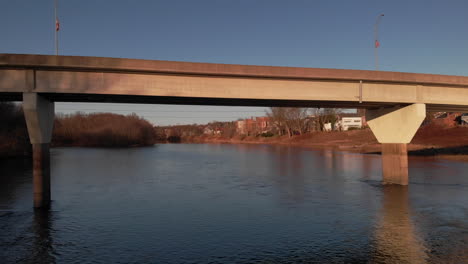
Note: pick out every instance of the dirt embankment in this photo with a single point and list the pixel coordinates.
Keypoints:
(432, 140)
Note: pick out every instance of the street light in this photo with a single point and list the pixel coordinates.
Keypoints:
(57, 28)
(376, 39)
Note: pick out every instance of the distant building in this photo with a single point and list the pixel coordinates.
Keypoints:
(327, 127)
(464, 119)
(350, 122)
(250, 126)
(253, 126)
(241, 127)
(362, 113)
(208, 131)
(263, 124)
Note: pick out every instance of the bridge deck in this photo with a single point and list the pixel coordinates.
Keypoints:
(93, 79)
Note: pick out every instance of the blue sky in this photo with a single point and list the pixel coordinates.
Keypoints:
(416, 36)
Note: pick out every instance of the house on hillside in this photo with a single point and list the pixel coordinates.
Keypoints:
(208, 131)
(263, 124)
(350, 122)
(250, 126)
(253, 126)
(241, 128)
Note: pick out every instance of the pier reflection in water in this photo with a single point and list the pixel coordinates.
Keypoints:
(396, 239)
(233, 204)
(42, 250)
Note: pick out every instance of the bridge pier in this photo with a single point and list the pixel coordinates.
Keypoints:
(394, 128)
(394, 163)
(39, 115)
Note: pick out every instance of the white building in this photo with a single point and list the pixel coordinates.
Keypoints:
(348, 122)
(327, 127)
(464, 119)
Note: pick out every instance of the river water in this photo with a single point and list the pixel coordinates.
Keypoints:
(202, 203)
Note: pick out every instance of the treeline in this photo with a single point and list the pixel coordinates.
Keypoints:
(79, 129)
(14, 139)
(279, 121)
(190, 133)
(296, 120)
(102, 130)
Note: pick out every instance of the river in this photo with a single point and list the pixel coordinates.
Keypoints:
(208, 203)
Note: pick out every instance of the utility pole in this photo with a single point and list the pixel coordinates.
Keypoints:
(376, 41)
(57, 27)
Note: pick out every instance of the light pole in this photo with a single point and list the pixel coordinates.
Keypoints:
(57, 27)
(376, 39)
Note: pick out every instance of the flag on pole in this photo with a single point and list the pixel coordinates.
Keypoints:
(57, 25)
(377, 43)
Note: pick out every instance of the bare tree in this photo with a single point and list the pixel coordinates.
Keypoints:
(326, 115)
(295, 118)
(277, 116)
(289, 120)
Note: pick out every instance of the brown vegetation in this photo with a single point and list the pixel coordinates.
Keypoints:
(86, 130)
(14, 139)
(102, 130)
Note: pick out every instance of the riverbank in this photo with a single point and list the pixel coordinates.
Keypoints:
(75, 130)
(442, 142)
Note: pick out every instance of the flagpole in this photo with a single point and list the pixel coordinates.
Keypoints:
(376, 41)
(56, 31)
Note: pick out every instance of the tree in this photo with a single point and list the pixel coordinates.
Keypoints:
(326, 115)
(289, 120)
(277, 116)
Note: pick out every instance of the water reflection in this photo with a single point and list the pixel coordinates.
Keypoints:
(15, 182)
(42, 249)
(289, 179)
(336, 163)
(396, 240)
(233, 204)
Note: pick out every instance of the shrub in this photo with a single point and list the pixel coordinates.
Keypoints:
(267, 134)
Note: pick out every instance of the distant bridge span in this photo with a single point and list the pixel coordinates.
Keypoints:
(396, 101)
(93, 79)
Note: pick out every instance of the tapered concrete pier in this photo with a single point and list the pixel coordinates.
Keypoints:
(39, 114)
(394, 128)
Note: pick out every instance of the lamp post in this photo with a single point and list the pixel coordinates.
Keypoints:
(376, 41)
(57, 27)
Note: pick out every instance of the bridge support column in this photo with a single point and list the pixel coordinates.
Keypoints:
(394, 128)
(394, 163)
(39, 115)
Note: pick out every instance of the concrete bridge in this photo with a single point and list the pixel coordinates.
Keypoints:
(396, 102)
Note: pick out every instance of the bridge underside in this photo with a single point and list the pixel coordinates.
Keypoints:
(139, 99)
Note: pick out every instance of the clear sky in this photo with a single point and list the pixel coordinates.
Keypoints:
(423, 36)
